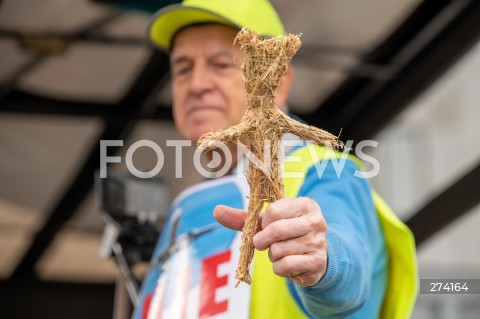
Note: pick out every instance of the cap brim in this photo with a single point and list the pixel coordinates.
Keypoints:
(168, 21)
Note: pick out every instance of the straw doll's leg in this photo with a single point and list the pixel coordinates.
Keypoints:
(276, 191)
(251, 225)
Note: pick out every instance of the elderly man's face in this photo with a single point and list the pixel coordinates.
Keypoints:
(208, 91)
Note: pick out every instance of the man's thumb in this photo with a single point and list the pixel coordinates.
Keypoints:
(230, 217)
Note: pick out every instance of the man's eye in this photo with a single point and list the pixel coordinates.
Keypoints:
(182, 71)
(221, 65)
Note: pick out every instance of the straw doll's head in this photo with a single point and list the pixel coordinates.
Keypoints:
(266, 63)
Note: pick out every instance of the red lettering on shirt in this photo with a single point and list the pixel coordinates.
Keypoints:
(146, 305)
(210, 283)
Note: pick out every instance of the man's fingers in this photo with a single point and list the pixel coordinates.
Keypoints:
(296, 246)
(286, 208)
(280, 230)
(230, 217)
(306, 266)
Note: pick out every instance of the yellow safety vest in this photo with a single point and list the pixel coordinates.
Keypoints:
(270, 296)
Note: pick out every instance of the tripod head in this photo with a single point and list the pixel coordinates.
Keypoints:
(134, 210)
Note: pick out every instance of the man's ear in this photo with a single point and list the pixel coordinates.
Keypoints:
(284, 89)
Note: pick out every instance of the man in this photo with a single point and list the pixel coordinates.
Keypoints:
(327, 238)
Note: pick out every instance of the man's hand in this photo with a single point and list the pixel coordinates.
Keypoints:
(295, 232)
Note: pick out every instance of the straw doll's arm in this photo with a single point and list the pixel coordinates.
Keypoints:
(211, 140)
(311, 133)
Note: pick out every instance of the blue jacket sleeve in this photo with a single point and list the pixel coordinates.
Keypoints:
(354, 238)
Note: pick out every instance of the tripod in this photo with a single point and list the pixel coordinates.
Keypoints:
(129, 242)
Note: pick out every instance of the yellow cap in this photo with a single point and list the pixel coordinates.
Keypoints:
(258, 16)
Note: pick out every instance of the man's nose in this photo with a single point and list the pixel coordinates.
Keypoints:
(201, 80)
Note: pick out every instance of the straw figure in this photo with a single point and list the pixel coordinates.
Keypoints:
(266, 62)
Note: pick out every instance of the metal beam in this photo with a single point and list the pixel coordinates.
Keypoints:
(18, 102)
(448, 206)
(7, 87)
(83, 37)
(132, 104)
